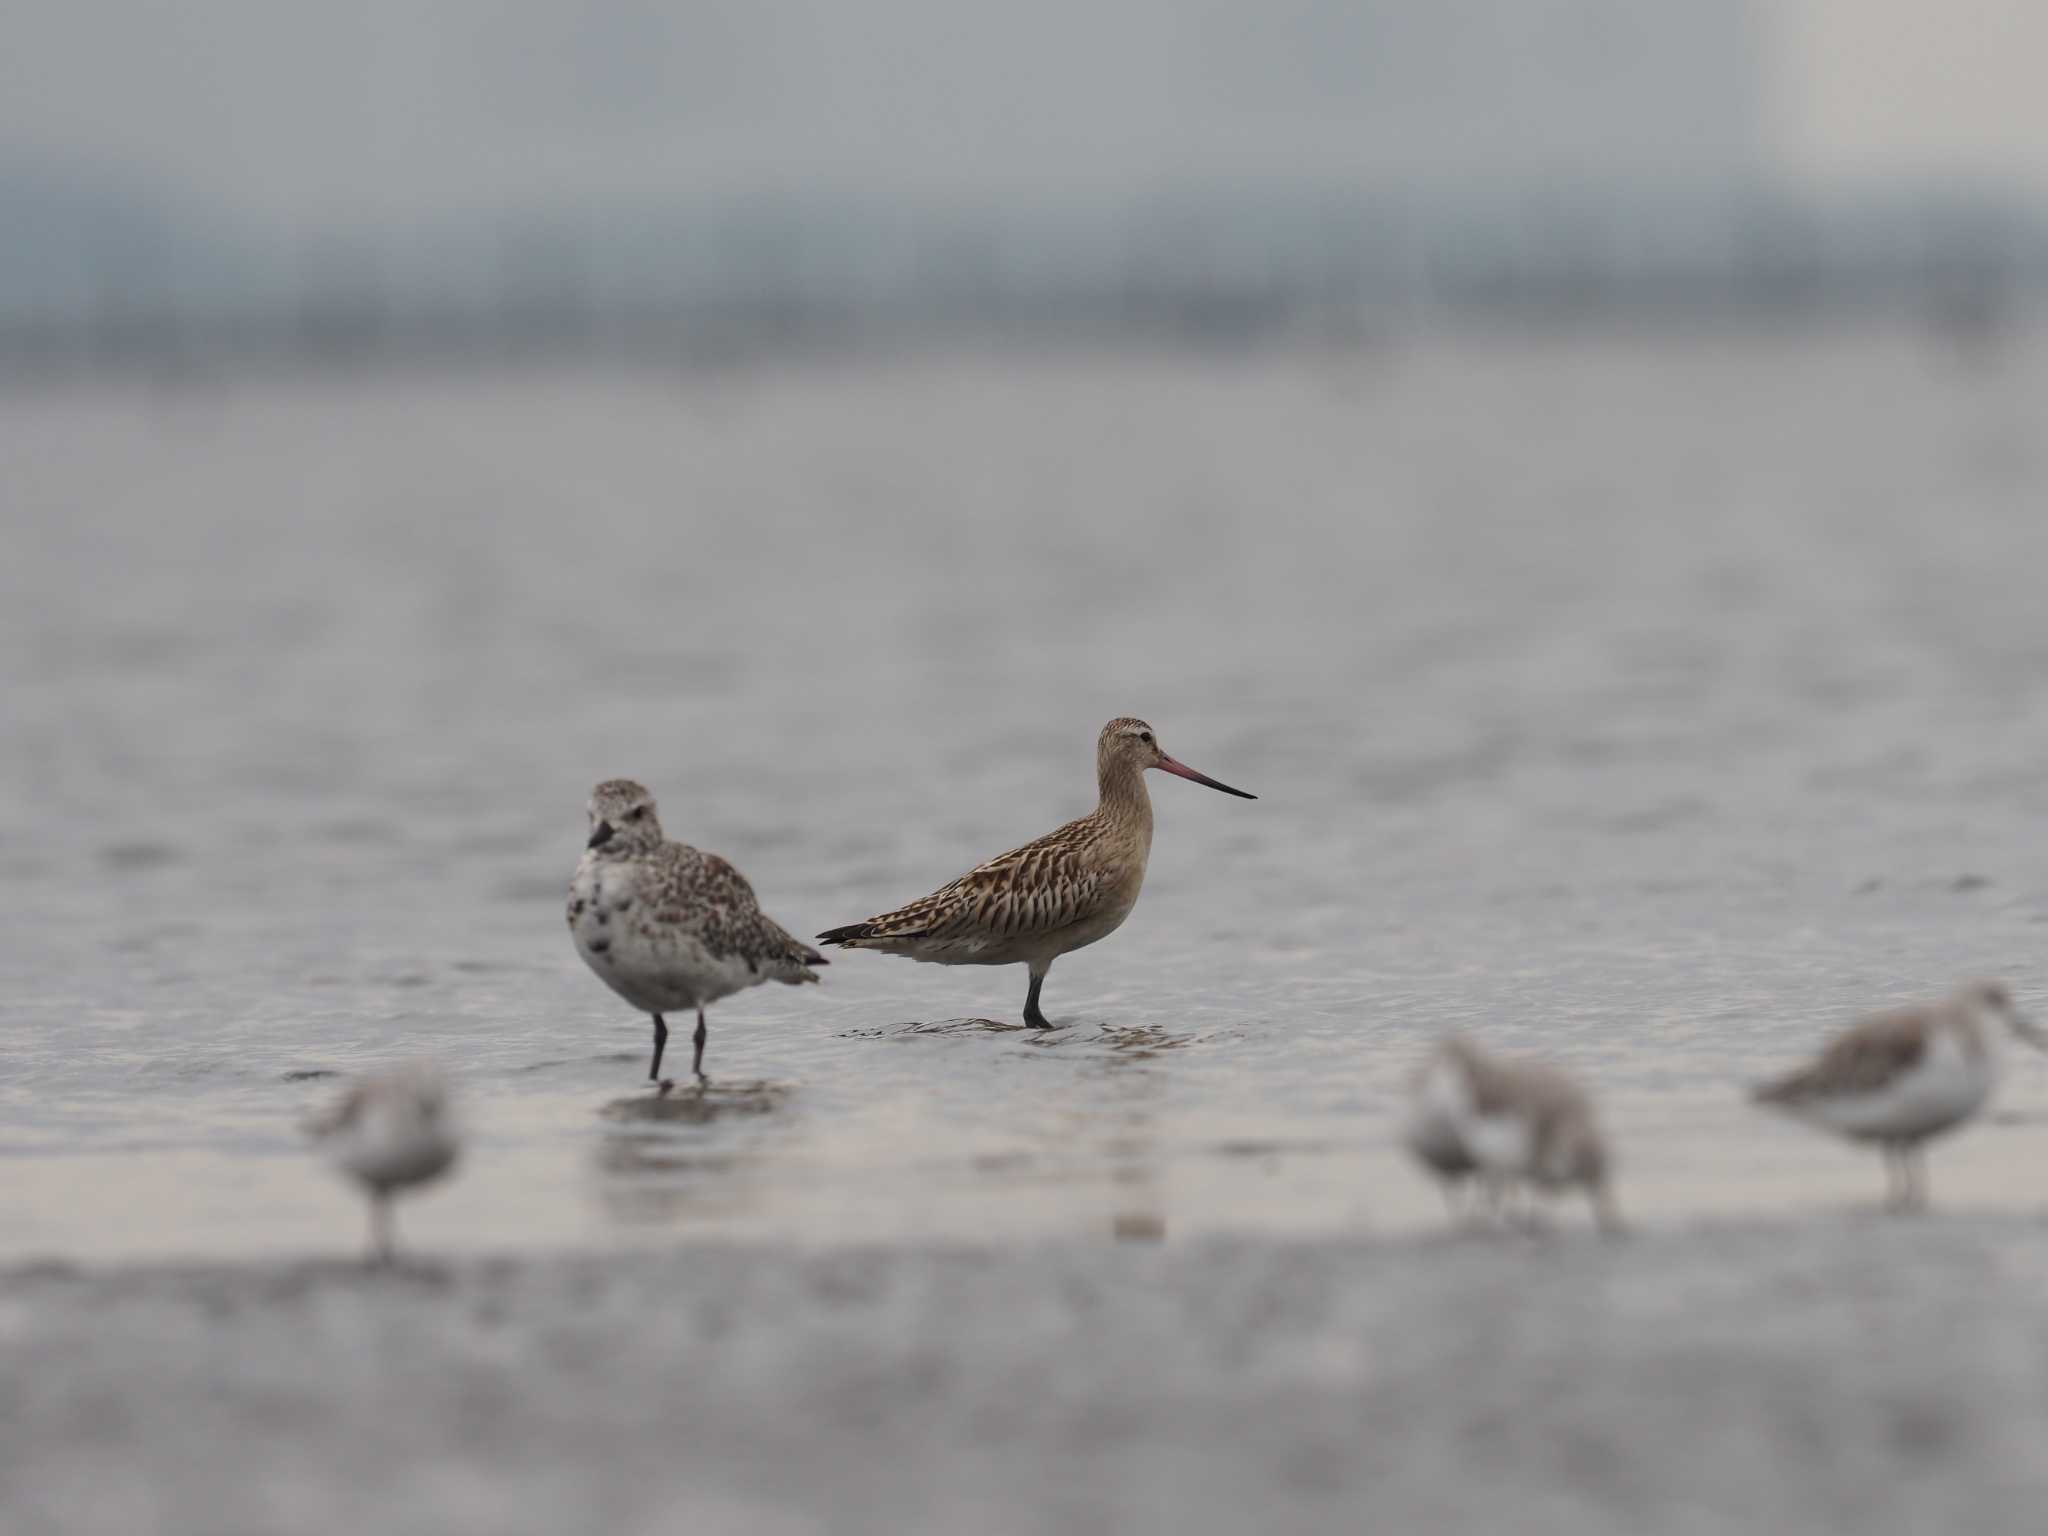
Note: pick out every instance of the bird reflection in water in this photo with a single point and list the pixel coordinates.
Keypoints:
(664, 1159)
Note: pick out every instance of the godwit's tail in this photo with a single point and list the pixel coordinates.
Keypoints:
(865, 935)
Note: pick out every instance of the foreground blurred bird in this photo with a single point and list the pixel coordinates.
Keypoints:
(1035, 903)
(1899, 1078)
(389, 1130)
(1508, 1125)
(667, 926)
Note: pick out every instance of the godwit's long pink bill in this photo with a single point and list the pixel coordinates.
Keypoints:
(1064, 891)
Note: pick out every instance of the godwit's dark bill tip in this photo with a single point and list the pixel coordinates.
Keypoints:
(1175, 766)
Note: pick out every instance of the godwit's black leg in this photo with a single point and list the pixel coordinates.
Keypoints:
(1032, 1016)
(697, 1066)
(660, 1045)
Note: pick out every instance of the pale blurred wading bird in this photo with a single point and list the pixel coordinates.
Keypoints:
(1901, 1077)
(1507, 1125)
(389, 1130)
(667, 926)
(1035, 903)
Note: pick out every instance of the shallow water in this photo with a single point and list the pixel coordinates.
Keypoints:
(1652, 704)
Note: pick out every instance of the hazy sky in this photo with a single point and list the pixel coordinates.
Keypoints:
(311, 109)
(1876, 85)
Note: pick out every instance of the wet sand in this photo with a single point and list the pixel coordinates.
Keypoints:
(1852, 1373)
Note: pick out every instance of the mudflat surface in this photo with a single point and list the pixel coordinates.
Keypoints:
(1848, 1374)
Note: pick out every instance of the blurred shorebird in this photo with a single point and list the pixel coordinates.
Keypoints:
(1035, 903)
(1507, 1125)
(667, 926)
(1901, 1077)
(389, 1130)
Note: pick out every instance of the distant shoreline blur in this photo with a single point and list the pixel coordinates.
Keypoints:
(1218, 272)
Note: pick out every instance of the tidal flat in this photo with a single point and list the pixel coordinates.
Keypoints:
(1850, 1373)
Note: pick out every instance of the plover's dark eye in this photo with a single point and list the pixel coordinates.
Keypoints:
(636, 813)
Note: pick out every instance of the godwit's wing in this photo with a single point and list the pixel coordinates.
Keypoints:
(1863, 1059)
(700, 893)
(1031, 892)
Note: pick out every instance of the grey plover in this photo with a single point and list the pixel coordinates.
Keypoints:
(1897, 1079)
(667, 926)
(389, 1130)
(1508, 1125)
(1035, 903)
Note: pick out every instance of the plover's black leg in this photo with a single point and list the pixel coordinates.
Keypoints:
(697, 1064)
(660, 1045)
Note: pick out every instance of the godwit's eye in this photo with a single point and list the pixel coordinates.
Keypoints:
(1145, 736)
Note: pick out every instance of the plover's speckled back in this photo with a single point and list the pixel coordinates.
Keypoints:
(389, 1130)
(1509, 1124)
(1035, 903)
(1898, 1079)
(667, 926)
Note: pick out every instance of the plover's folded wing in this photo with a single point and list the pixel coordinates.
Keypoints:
(713, 898)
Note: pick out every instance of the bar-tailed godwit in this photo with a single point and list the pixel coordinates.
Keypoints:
(389, 1131)
(1510, 1124)
(1899, 1078)
(1035, 903)
(667, 926)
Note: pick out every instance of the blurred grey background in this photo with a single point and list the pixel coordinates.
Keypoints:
(680, 181)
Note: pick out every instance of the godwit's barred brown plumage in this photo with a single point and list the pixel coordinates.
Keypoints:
(1063, 891)
(1510, 1124)
(668, 926)
(1902, 1077)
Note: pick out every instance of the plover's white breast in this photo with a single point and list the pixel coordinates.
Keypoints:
(652, 954)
